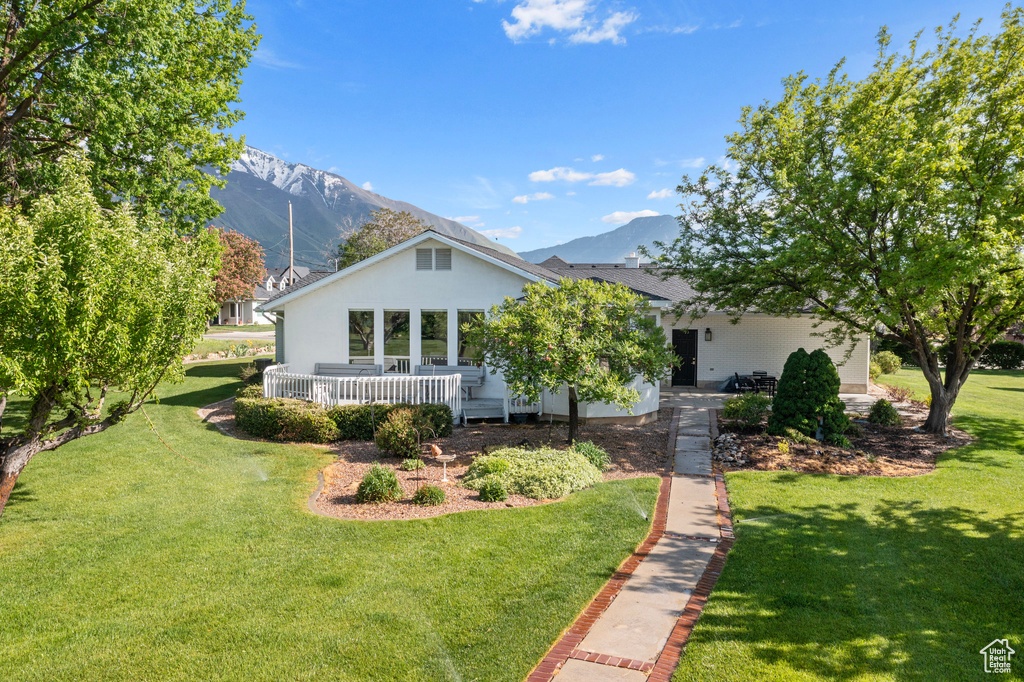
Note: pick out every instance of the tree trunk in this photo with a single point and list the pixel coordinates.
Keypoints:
(574, 415)
(944, 389)
(12, 463)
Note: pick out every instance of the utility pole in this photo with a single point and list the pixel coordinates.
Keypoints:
(291, 248)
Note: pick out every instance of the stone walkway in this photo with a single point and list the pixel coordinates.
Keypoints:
(634, 630)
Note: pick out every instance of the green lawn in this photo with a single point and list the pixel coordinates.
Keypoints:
(205, 346)
(217, 328)
(846, 578)
(122, 560)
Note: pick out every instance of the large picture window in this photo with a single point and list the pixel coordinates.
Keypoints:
(360, 337)
(467, 353)
(396, 341)
(434, 337)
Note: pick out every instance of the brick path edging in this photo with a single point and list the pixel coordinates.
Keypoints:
(668, 660)
(563, 648)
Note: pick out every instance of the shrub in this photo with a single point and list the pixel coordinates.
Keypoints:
(429, 495)
(380, 484)
(1004, 355)
(250, 375)
(412, 464)
(541, 474)
(898, 394)
(486, 465)
(854, 430)
(747, 409)
(808, 389)
(356, 422)
(874, 370)
(888, 361)
(253, 391)
(284, 419)
(839, 440)
(798, 437)
(398, 435)
(882, 412)
(906, 355)
(594, 453)
(784, 447)
(492, 490)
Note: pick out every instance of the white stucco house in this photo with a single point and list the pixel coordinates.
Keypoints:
(397, 316)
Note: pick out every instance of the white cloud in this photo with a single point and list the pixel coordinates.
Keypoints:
(537, 196)
(570, 194)
(618, 178)
(503, 232)
(620, 217)
(577, 18)
(266, 57)
(368, 186)
(597, 157)
(727, 164)
(465, 218)
(559, 173)
(608, 30)
(660, 194)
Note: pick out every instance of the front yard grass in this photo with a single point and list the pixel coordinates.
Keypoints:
(835, 577)
(122, 560)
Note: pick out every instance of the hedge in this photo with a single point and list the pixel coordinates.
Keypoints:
(285, 419)
(356, 422)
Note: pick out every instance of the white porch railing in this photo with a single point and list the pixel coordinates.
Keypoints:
(520, 405)
(278, 382)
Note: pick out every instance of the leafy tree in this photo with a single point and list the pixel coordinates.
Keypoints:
(591, 338)
(384, 229)
(145, 87)
(893, 203)
(241, 266)
(92, 303)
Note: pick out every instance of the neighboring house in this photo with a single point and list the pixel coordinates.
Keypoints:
(404, 307)
(245, 311)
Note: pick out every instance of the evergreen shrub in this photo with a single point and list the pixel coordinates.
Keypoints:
(883, 412)
(807, 390)
(380, 484)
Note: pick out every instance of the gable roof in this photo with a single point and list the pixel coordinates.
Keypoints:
(315, 280)
(644, 281)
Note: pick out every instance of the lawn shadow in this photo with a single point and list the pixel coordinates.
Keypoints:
(831, 591)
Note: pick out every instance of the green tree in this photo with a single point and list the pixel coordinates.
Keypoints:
(894, 203)
(92, 303)
(590, 338)
(809, 390)
(145, 87)
(241, 266)
(380, 232)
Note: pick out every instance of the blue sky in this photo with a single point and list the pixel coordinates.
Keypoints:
(538, 121)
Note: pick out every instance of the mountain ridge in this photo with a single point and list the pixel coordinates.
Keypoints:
(326, 207)
(612, 246)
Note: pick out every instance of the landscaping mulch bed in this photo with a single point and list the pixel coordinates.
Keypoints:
(634, 451)
(881, 451)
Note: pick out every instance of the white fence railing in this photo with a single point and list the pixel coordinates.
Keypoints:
(520, 405)
(278, 382)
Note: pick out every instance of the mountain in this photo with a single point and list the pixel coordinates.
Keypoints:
(611, 247)
(325, 208)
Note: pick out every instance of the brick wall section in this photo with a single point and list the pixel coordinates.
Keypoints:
(763, 342)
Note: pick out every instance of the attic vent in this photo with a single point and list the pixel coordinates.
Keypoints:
(425, 259)
(443, 259)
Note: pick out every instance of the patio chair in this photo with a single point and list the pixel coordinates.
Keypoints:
(744, 384)
(765, 384)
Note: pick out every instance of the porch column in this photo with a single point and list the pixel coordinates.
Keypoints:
(378, 336)
(453, 336)
(415, 339)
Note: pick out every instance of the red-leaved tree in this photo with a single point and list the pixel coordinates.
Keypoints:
(241, 267)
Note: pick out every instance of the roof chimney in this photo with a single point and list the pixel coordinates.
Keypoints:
(633, 260)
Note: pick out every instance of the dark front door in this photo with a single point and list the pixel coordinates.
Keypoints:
(684, 343)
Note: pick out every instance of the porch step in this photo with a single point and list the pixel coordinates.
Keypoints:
(482, 409)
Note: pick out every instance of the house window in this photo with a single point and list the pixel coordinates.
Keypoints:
(396, 341)
(233, 310)
(360, 337)
(434, 337)
(468, 318)
(424, 259)
(443, 259)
